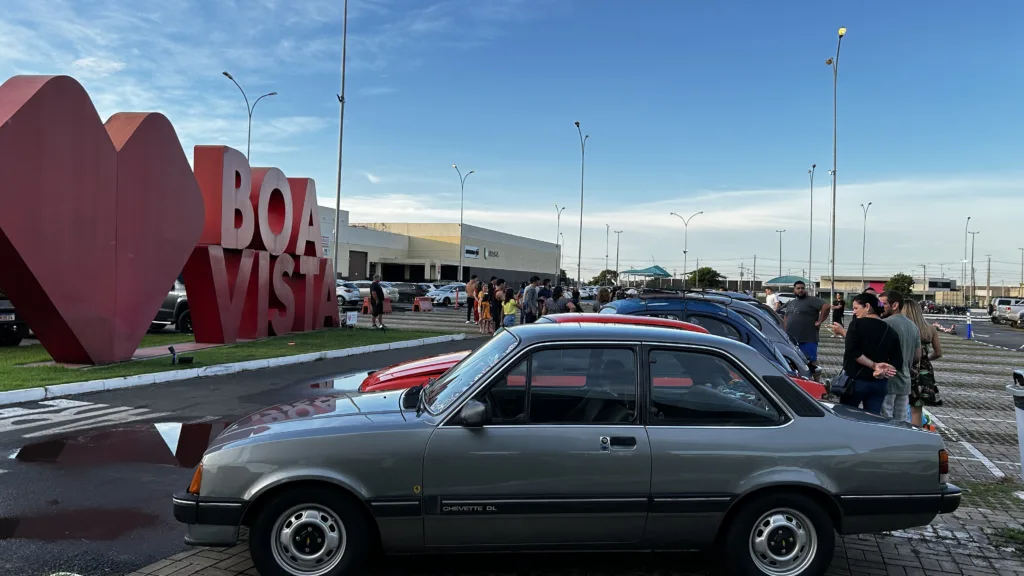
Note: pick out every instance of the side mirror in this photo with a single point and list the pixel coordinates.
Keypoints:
(473, 414)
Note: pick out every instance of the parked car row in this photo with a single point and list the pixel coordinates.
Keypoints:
(570, 434)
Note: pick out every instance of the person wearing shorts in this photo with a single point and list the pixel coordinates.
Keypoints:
(804, 316)
(377, 302)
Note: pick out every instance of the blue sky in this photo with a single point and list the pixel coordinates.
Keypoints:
(713, 106)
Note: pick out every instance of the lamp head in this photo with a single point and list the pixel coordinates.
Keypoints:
(228, 76)
(577, 122)
(842, 32)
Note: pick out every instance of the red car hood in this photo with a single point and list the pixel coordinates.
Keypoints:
(411, 373)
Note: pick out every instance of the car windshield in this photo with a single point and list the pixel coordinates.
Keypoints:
(451, 385)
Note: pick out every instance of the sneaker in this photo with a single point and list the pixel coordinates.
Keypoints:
(469, 321)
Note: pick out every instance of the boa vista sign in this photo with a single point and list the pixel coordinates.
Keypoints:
(256, 269)
(98, 219)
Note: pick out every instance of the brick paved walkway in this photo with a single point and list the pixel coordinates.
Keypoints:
(985, 536)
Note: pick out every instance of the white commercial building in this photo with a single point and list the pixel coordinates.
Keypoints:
(429, 252)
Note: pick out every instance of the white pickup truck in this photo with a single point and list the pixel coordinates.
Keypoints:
(1007, 311)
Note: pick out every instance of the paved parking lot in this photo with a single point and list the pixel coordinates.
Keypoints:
(985, 536)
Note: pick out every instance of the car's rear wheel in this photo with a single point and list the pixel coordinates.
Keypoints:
(784, 534)
(185, 322)
(10, 339)
(309, 532)
(447, 301)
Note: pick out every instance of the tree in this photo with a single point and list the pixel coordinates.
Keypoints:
(902, 283)
(705, 277)
(604, 278)
(563, 278)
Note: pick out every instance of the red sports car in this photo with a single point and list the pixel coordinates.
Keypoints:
(416, 372)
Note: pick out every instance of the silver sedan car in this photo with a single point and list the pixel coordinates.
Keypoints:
(568, 436)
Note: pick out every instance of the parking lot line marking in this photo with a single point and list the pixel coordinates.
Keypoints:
(977, 460)
(970, 447)
(978, 419)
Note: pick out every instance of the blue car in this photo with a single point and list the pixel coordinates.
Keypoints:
(717, 318)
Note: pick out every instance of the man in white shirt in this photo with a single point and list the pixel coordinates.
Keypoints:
(771, 299)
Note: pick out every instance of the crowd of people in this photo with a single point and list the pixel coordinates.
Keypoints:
(888, 350)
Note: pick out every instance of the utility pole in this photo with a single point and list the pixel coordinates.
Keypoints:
(753, 283)
(810, 234)
(696, 276)
(1021, 287)
(741, 277)
(607, 234)
(988, 279)
(618, 236)
(974, 286)
(924, 279)
(780, 250)
(341, 140)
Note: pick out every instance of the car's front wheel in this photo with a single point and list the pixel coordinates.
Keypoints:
(309, 532)
(783, 534)
(447, 301)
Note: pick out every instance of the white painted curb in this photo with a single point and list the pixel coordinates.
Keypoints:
(44, 392)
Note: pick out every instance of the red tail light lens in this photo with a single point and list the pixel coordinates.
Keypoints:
(943, 466)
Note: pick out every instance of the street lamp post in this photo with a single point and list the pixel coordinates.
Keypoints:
(462, 204)
(686, 248)
(863, 245)
(810, 235)
(780, 250)
(607, 233)
(835, 81)
(248, 109)
(963, 266)
(1021, 287)
(341, 137)
(618, 236)
(583, 163)
(558, 245)
(974, 290)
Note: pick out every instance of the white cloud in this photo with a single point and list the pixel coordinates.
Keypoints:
(377, 91)
(96, 67)
(373, 178)
(912, 222)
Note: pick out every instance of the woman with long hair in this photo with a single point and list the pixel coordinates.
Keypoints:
(923, 389)
(871, 355)
(484, 304)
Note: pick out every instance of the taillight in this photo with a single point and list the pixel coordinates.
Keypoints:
(943, 466)
(197, 480)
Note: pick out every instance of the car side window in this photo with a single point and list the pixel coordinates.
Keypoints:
(663, 315)
(715, 326)
(506, 398)
(753, 321)
(583, 386)
(701, 389)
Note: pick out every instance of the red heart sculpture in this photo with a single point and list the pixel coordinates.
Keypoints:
(96, 220)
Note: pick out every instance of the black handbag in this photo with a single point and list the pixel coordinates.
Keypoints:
(841, 384)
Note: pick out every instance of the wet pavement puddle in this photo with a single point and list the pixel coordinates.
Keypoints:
(84, 524)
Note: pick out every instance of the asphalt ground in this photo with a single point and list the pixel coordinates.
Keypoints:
(85, 482)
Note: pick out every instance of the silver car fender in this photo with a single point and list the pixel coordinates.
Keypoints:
(283, 476)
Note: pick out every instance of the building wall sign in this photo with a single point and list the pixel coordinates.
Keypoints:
(490, 253)
(256, 270)
(471, 252)
(96, 219)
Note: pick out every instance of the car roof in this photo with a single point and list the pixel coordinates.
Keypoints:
(590, 318)
(589, 331)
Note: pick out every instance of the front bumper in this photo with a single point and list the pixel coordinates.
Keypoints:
(209, 521)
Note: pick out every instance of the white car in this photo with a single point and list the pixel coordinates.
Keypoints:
(348, 295)
(364, 289)
(445, 295)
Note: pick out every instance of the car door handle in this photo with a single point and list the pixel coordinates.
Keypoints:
(622, 442)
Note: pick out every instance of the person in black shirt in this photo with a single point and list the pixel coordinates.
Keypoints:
(377, 302)
(872, 353)
(838, 309)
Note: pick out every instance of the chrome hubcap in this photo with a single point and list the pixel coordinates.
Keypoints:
(308, 540)
(783, 542)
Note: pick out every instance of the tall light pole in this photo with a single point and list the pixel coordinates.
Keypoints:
(974, 290)
(607, 232)
(810, 235)
(863, 245)
(618, 236)
(462, 204)
(780, 250)
(686, 248)
(248, 109)
(341, 137)
(583, 163)
(835, 82)
(963, 267)
(1021, 287)
(558, 245)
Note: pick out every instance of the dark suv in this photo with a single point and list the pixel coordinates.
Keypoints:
(717, 318)
(12, 328)
(174, 310)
